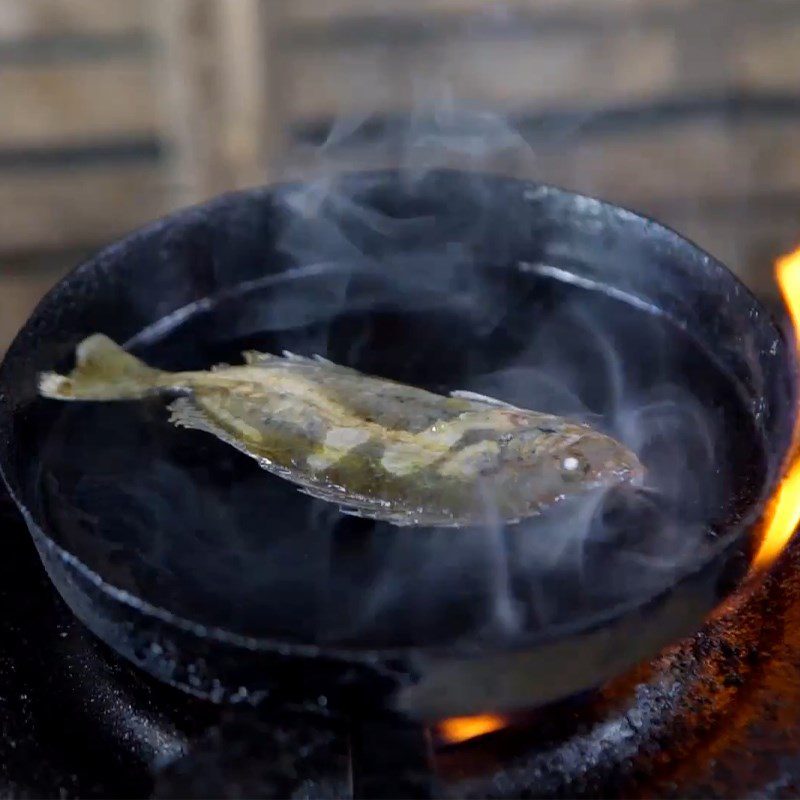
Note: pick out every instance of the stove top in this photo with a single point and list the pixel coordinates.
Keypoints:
(718, 716)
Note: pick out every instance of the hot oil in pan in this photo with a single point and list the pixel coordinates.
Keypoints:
(194, 527)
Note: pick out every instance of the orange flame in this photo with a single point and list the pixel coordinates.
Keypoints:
(459, 729)
(783, 514)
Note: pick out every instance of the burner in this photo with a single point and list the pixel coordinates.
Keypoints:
(717, 716)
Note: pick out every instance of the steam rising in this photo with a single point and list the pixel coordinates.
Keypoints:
(381, 287)
(598, 550)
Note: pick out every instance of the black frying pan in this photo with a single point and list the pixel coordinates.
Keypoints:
(207, 572)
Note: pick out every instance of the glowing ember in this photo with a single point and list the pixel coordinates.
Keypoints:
(783, 515)
(459, 729)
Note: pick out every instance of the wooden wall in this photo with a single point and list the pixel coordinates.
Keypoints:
(114, 111)
(80, 131)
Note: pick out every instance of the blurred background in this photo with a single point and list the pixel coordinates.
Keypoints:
(113, 112)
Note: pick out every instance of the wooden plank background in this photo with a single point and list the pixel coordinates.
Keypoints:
(115, 111)
(77, 103)
(28, 19)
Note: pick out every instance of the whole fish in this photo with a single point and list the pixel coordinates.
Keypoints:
(375, 447)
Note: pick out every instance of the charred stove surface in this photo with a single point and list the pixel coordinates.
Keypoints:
(716, 716)
(245, 755)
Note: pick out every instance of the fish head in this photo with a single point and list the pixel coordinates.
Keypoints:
(587, 459)
(570, 460)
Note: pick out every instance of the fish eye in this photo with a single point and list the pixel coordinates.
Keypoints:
(574, 467)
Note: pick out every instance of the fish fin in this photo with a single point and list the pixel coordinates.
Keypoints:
(463, 394)
(370, 508)
(103, 371)
(254, 357)
(328, 494)
(401, 519)
(315, 359)
(319, 361)
(290, 356)
(379, 515)
(355, 505)
(184, 413)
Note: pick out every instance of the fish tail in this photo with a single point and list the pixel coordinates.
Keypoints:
(103, 371)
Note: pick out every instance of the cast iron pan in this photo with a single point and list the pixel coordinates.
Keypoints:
(189, 560)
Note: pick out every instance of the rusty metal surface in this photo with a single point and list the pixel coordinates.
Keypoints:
(716, 716)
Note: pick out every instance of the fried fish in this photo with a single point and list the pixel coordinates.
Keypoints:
(375, 447)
